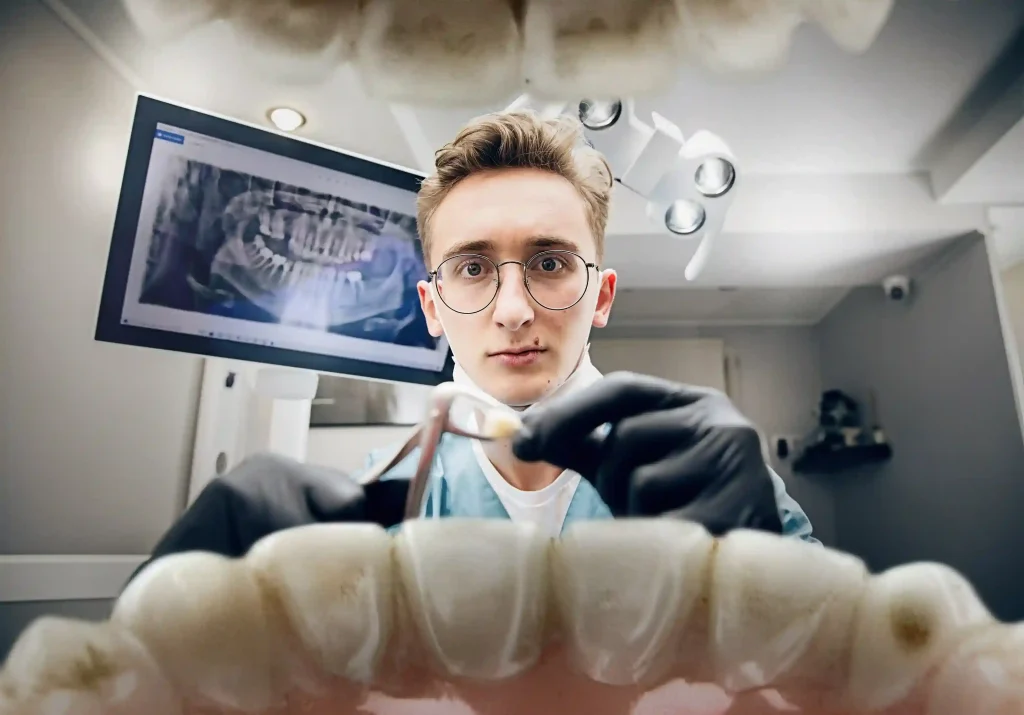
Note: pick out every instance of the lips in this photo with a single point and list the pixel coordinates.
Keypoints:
(518, 351)
(518, 358)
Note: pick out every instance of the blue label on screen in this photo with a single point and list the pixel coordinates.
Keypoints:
(168, 136)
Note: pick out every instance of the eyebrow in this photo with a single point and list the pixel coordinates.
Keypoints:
(485, 246)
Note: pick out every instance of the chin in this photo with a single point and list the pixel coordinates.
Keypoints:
(517, 395)
(487, 616)
(520, 389)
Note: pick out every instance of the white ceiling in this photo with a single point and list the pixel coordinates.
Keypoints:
(854, 166)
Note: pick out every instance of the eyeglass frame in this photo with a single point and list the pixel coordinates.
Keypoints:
(432, 277)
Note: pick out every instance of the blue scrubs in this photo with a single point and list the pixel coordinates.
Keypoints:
(459, 488)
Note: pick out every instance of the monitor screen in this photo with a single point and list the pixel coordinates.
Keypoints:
(238, 242)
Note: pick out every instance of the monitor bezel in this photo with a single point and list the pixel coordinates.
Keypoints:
(150, 111)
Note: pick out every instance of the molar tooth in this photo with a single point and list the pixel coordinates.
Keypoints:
(477, 593)
(439, 52)
(278, 224)
(324, 234)
(756, 39)
(203, 618)
(984, 675)
(626, 591)
(335, 584)
(600, 48)
(264, 214)
(781, 610)
(60, 665)
(908, 617)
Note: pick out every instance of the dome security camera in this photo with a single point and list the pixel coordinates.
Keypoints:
(897, 288)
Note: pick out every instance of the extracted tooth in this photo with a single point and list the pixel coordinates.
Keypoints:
(501, 424)
(781, 610)
(477, 592)
(625, 592)
(59, 665)
(984, 675)
(441, 52)
(601, 49)
(335, 585)
(203, 619)
(908, 618)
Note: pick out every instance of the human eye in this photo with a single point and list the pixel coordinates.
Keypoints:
(470, 268)
(549, 263)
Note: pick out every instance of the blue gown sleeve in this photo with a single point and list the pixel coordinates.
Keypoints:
(794, 520)
(403, 470)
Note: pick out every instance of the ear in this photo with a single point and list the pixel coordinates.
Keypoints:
(429, 306)
(605, 298)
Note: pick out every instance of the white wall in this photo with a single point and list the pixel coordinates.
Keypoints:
(96, 439)
(345, 448)
(1013, 299)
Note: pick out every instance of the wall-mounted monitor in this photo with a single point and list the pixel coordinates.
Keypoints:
(238, 242)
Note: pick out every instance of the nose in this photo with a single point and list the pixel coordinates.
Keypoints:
(512, 306)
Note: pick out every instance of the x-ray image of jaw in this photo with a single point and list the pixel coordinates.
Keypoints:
(243, 246)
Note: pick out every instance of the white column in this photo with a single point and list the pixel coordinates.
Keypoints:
(245, 409)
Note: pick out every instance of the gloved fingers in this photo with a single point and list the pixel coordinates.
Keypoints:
(672, 482)
(384, 501)
(637, 441)
(568, 420)
(730, 505)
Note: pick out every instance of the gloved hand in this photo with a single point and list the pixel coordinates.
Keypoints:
(265, 494)
(672, 450)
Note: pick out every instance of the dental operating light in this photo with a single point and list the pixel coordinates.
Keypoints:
(688, 183)
(596, 114)
(714, 177)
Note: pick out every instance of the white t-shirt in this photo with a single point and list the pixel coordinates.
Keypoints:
(545, 507)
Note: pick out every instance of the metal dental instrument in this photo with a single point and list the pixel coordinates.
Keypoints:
(496, 424)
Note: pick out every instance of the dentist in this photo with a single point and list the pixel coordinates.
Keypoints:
(512, 224)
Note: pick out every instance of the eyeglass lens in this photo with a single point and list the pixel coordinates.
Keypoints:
(467, 283)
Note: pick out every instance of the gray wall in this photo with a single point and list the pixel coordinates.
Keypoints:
(96, 439)
(954, 490)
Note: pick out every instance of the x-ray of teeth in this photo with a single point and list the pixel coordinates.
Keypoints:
(242, 246)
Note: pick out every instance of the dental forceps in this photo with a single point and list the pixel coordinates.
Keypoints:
(427, 436)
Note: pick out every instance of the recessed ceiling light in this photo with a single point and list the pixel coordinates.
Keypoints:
(286, 119)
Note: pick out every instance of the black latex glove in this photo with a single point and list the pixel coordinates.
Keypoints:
(673, 450)
(265, 494)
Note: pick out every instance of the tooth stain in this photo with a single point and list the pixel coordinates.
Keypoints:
(88, 671)
(348, 589)
(706, 577)
(7, 689)
(911, 628)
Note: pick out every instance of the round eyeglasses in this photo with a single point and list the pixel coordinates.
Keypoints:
(468, 282)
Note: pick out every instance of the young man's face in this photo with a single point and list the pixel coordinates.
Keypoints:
(512, 215)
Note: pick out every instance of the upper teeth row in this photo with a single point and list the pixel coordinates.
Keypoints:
(637, 603)
(443, 51)
(314, 238)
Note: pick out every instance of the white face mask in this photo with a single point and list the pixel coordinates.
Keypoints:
(584, 375)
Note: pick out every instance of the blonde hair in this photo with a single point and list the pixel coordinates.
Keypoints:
(520, 139)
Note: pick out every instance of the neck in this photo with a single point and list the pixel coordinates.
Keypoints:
(525, 476)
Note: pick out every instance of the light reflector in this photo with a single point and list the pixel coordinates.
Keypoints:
(714, 177)
(684, 217)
